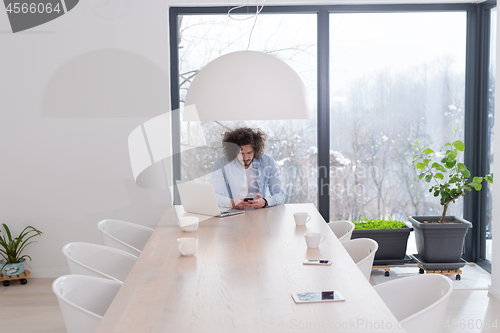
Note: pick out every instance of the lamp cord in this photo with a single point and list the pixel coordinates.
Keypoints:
(257, 11)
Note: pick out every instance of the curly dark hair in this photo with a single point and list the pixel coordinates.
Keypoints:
(233, 140)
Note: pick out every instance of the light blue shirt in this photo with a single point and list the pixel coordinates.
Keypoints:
(267, 175)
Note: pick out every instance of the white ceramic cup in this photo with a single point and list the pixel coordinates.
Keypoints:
(188, 223)
(187, 246)
(301, 218)
(313, 239)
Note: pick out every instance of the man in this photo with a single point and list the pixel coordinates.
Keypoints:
(246, 177)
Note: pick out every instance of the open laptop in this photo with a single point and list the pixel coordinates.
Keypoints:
(199, 198)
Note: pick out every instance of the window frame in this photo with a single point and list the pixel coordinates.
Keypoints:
(476, 76)
(477, 243)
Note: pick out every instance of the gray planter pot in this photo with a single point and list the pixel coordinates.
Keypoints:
(391, 242)
(439, 242)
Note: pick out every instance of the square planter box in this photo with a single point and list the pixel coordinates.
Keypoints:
(439, 242)
(391, 242)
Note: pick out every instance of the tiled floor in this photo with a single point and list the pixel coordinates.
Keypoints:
(30, 308)
(472, 311)
(33, 308)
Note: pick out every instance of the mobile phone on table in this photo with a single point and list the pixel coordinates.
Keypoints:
(317, 262)
(318, 296)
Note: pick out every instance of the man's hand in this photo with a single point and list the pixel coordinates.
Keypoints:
(238, 203)
(259, 202)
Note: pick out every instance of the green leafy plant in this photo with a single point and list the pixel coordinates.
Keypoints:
(378, 224)
(450, 177)
(11, 249)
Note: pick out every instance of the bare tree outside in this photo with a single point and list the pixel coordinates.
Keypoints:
(388, 89)
(292, 143)
(395, 87)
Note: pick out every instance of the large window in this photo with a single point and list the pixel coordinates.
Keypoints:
(490, 122)
(381, 77)
(394, 78)
(290, 37)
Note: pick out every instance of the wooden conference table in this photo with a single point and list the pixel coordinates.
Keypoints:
(241, 280)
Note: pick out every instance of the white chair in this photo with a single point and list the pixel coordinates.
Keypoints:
(98, 260)
(362, 252)
(126, 236)
(418, 302)
(342, 229)
(84, 300)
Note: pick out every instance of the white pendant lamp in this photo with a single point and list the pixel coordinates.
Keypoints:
(248, 85)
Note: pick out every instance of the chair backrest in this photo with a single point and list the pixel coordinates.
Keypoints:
(362, 252)
(126, 236)
(98, 260)
(342, 229)
(418, 302)
(84, 300)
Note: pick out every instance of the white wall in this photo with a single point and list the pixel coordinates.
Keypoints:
(71, 91)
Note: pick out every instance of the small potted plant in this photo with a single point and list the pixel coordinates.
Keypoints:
(440, 239)
(11, 250)
(391, 236)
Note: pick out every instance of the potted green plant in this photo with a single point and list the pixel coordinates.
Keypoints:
(391, 236)
(440, 239)
(11, 249)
